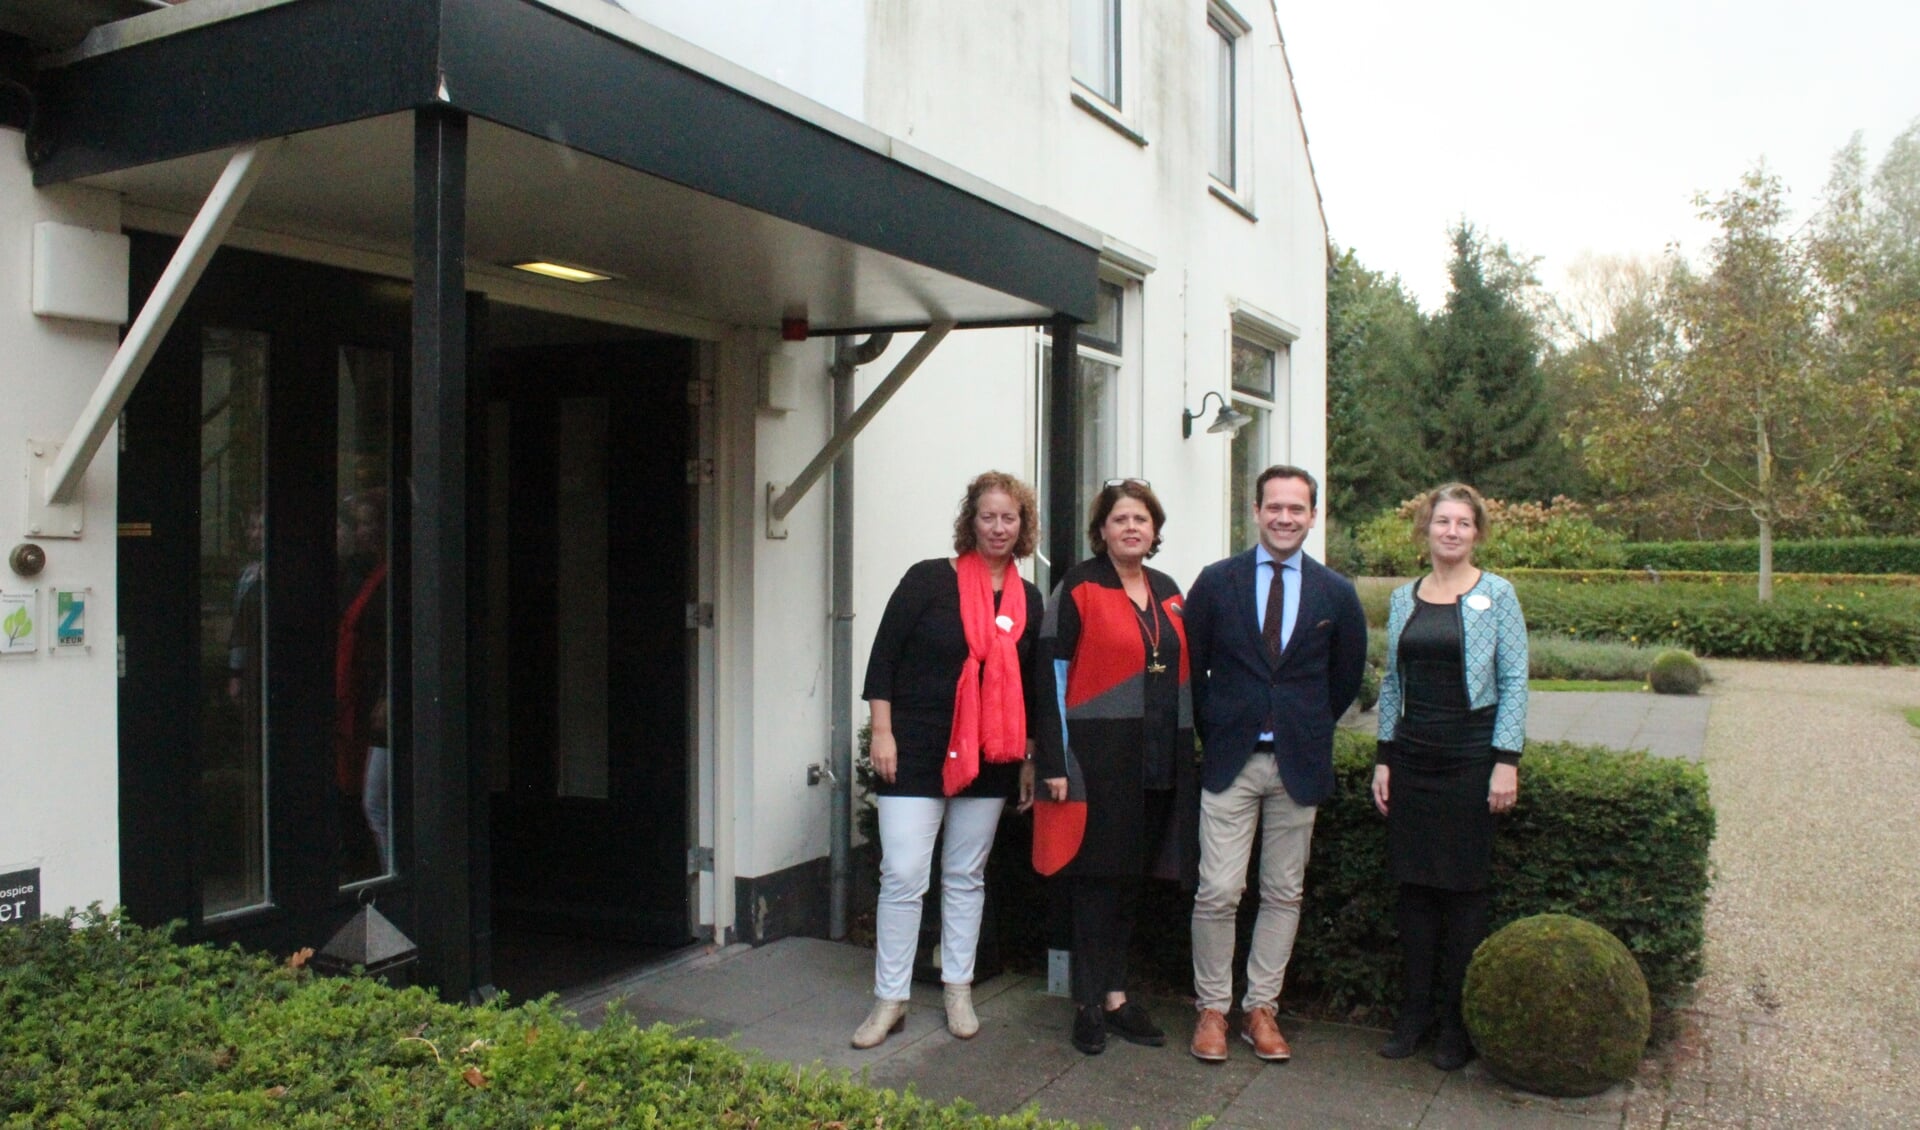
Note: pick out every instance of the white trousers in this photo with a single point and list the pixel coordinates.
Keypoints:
(908, 825)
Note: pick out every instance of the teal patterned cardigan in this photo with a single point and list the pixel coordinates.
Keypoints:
(1494, 635)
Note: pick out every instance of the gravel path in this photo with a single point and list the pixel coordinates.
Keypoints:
(1809, 1014)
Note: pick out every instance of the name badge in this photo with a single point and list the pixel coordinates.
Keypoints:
(1479, 602)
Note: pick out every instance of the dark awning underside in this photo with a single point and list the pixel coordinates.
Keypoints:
(596, 140)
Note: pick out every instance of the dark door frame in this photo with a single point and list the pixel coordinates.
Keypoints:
(307, 312)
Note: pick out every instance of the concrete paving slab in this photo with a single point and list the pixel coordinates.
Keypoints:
(1663, 725)
(799, 1000)
(1282, 1096)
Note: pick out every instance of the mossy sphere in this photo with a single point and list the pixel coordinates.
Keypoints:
(1557, 1005)
(1676, 672)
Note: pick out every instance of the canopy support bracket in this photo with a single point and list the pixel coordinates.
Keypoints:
(783, 497)
(149, 328)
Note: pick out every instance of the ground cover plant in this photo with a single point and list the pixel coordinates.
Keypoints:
(1562, 658)
(106, 1024)
(1819, 625)
(1618, 839)
(1604, 686)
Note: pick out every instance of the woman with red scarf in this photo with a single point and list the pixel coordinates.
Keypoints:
(1116, 753)
(953, 689)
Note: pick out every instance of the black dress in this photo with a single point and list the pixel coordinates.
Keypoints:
(1439, 829)
(915, 665)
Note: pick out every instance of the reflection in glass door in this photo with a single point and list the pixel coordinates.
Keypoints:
(362, 667)
(230, 820)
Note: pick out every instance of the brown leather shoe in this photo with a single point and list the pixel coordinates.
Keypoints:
(1258, 1028)
(1210, 1036)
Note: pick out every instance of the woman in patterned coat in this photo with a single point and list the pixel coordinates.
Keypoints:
(1453, 719)
(1116, 753)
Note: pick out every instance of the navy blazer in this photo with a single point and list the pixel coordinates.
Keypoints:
(1236, 688)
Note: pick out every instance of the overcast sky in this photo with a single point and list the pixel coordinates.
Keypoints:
(1565, 128)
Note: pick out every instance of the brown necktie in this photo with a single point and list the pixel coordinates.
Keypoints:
(1276, 609)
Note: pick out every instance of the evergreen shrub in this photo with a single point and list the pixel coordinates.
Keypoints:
(1676, 672)
(1619, 839)
(105, 1024)
(1557, 1006)
(1818, 625)
(1809, 555)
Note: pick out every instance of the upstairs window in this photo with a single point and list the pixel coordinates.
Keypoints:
(1095, 35)
(1220, 83)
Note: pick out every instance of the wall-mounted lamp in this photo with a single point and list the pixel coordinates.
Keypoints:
(1229, 419)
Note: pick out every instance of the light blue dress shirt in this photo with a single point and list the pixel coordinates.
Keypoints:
(1290, 598)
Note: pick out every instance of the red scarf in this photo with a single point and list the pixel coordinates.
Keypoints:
(989, 705)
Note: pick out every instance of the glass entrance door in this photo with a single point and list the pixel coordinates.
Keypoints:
(256, 469)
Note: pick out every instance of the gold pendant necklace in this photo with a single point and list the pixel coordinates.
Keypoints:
(1150, 629)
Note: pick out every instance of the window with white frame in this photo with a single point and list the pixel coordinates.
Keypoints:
(1261, 371)
(1095, 38)
(1224, 83)
(1101, 393)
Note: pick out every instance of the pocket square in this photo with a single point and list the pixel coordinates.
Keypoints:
(1323, 624)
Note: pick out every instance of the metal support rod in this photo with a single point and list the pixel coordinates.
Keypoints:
(856, 423)
(149, 328)
(840, 740)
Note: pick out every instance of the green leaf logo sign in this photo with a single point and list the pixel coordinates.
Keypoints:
(17, 626)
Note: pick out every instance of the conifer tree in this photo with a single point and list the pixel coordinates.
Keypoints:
(1481, 400)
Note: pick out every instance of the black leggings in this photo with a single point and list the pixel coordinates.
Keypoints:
(1103, 914)
(1438, 932)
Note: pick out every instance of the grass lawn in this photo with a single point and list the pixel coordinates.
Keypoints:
(1606, 685)
(1913, 715)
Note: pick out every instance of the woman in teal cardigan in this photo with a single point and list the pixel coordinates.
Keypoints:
(1453, 720)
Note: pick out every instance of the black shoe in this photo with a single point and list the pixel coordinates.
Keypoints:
(1131, 1023)
(1408, 1031)
(1452, 1049)
(1090, 1030)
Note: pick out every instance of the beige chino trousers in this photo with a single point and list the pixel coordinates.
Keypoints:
(1256, 800)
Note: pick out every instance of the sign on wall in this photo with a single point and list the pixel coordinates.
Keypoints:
(19, 897)
(19, 622)
(70, 620)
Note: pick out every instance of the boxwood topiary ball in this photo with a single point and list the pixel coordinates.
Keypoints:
(1557, 1005)
(1676, 672)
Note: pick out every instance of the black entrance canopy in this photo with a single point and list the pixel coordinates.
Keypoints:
(594, 138)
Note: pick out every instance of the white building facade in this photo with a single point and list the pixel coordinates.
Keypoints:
(413, 578)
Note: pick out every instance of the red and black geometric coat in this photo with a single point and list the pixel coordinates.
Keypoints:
(1115, 729)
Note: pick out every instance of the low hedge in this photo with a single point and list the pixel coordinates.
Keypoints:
(1619, 839)
(1746, 581)
(1808, 555)
(1560, 657)
(106, 1024)
(1817, 625)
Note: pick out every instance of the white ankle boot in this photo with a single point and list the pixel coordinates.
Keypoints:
(960, 1018)
(886, 1018)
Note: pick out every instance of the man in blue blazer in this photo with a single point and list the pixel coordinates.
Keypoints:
(1277, 644)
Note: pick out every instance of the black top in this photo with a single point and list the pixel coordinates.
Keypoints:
(915, 665)
(1438, 711)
